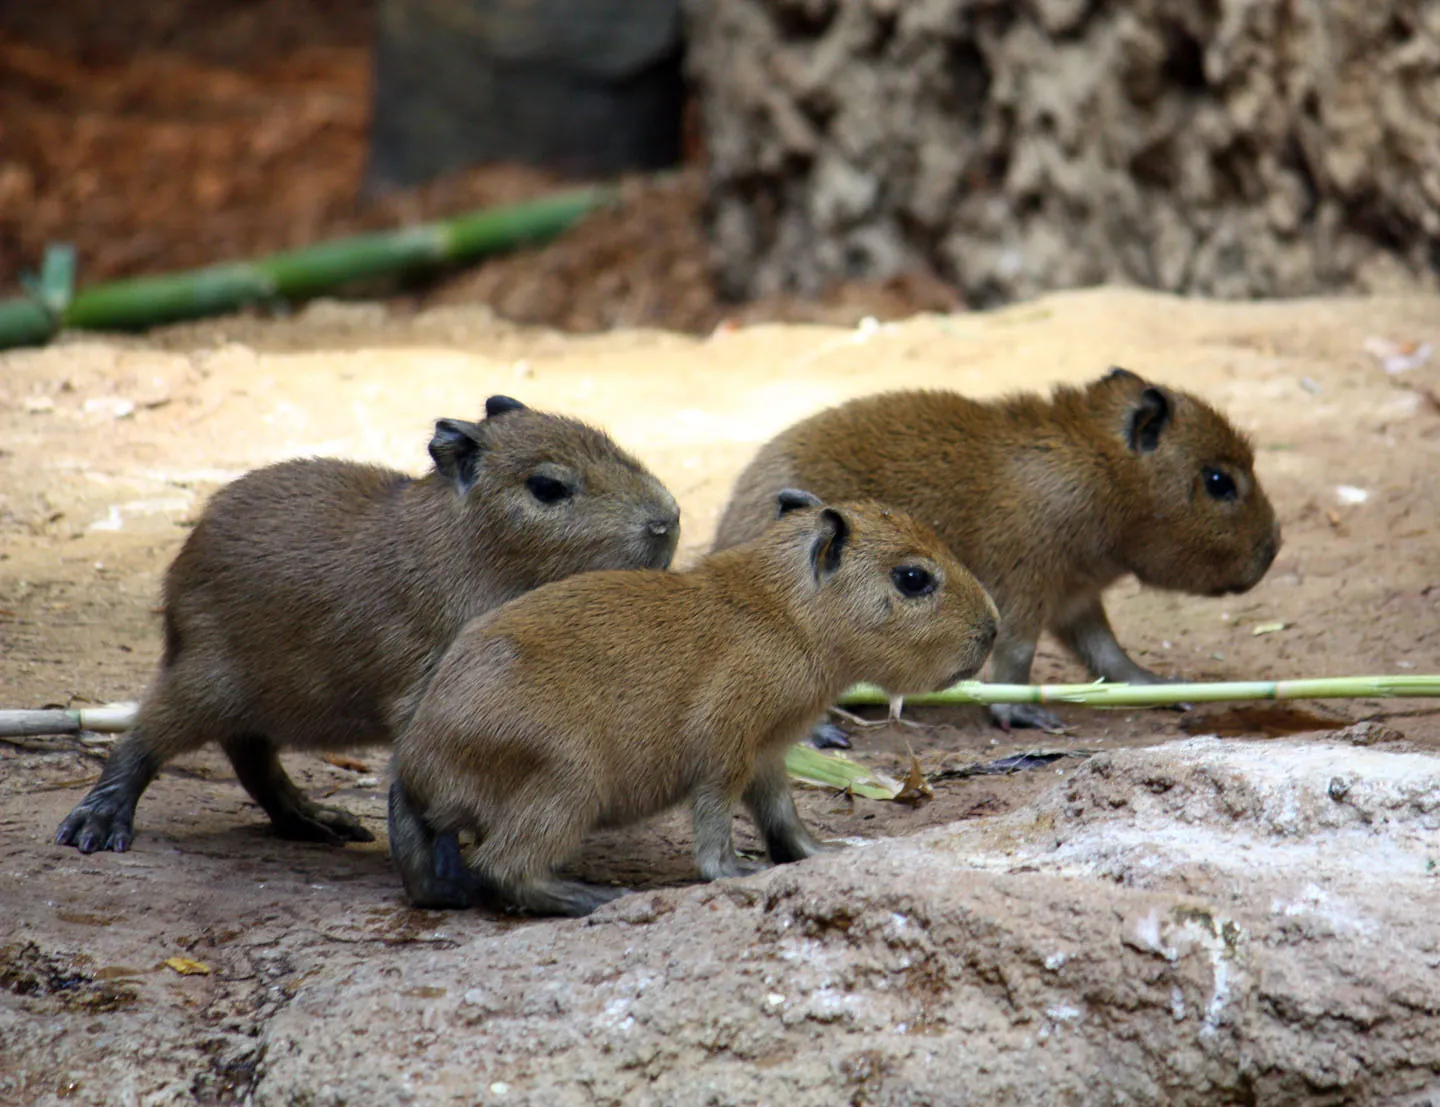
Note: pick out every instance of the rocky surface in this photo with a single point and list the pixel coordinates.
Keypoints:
(1228, 147)
(1207, 922)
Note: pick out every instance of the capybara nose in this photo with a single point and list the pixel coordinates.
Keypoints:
(1270, 549)
(662, 535)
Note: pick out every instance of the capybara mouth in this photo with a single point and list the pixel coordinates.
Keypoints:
(659, 554)
(657, 545)
(1266, 560)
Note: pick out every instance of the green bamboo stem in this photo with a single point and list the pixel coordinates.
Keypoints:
(115, 717)
(833, 771)
(25, 322)
(143, 302)
(1159, 695)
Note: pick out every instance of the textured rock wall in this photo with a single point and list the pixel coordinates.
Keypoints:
(1227, 147)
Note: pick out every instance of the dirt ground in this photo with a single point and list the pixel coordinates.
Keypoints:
(108, 448)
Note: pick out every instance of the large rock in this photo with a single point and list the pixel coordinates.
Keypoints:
(1209, 922)
(1229, 147)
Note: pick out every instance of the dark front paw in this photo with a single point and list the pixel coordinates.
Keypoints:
(721, 868)
(1145, 676)
(1010, 716)
(100, 826)
(1142, 675)
(829, 736)
(797, 849)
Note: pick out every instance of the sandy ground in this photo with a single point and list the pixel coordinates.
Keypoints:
(109, 448)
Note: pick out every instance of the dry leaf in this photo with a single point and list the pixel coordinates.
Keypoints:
(915, 789)
(186, 967)
(351, 764)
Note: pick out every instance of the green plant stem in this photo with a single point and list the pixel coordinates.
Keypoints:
(298, 274)
(114, 717)
(1159, 695)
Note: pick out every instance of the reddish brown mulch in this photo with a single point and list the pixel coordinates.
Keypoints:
(183, 134)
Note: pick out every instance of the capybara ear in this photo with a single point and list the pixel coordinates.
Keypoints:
(829, 545)
(496, 406)
(455, 450)
(1150, 416)
(792, 499)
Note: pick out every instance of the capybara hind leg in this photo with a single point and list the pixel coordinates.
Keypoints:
(294, 814)
(430, 864)
(550, 895)
(105, 819)
(521, 841)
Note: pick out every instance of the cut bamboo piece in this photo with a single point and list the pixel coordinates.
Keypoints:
(808, 765)
(109, 718)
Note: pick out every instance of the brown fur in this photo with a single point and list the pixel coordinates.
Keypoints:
(604, 699)
(314, 597)
(1047, 501)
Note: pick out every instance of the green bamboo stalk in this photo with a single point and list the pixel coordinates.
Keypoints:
(143, 302)
(114, 717)
(811, 766)
(1160, 695)
(25, 322)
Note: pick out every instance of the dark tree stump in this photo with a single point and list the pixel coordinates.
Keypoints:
(588, 87)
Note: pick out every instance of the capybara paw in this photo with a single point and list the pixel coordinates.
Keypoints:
(103, 827)
(829, 736)
(1025, 716)
(316, 823)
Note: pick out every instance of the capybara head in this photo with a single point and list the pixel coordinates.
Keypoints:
(1196, 518)
(557, 492)
(883, 591)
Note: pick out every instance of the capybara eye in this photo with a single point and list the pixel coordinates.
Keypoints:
(913, 581)
(1218, 483)
(548, 490)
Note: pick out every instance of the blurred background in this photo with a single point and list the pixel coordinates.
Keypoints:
(792, 159)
